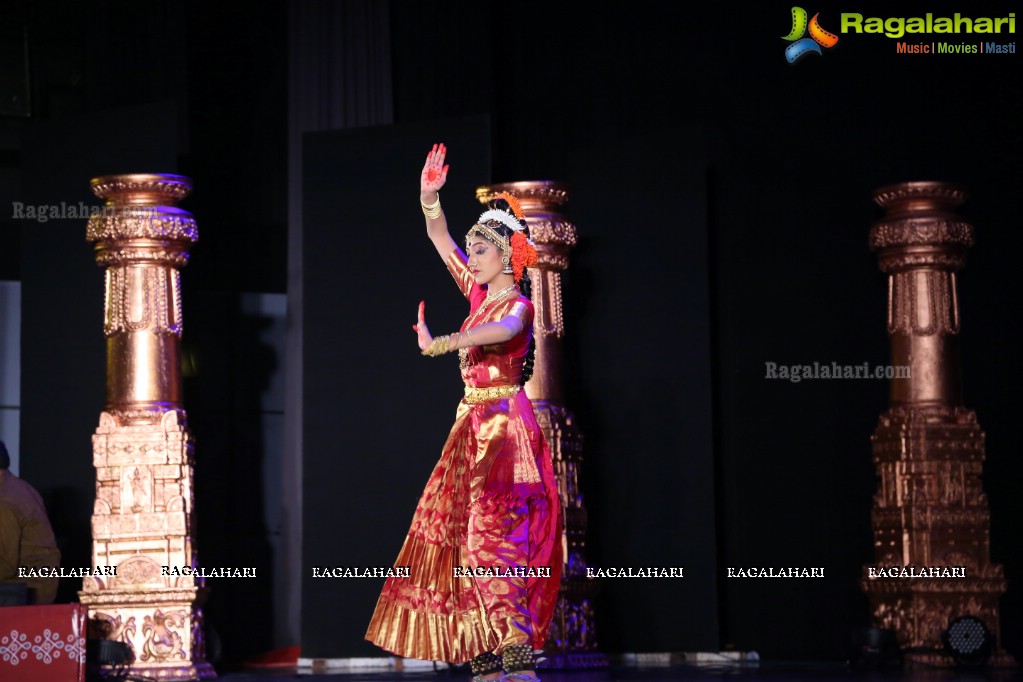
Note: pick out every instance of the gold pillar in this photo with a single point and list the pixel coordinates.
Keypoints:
(142, 523)
(930, 510)
(572, 640)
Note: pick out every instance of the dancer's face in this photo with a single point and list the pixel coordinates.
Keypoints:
(484, 259)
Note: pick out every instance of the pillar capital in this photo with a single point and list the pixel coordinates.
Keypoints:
(920, 228)
(140, 222)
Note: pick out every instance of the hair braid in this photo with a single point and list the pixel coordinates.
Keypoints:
(525, 286)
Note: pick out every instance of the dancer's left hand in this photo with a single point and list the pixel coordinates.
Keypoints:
(420, 328)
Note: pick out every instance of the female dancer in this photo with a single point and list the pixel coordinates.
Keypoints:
(485, 543)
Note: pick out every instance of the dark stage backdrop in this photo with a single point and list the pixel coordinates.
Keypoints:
(63, 350)
(639, 371)
(376, 412)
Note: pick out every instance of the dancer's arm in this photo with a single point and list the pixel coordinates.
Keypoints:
(434, 175)
(487, 334)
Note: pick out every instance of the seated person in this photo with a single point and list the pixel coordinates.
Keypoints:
(26, 538)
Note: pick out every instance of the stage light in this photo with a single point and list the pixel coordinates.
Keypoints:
(968, 641)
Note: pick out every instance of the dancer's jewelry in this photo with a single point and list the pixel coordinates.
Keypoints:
(517, 658)
(498, 295)
(431, 211)
(484, 664)
(519, 251)
(441, 345)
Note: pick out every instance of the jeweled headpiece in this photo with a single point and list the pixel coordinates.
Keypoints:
(519, 250)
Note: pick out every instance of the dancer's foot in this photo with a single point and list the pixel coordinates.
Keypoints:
(519, 662)
(486, 667)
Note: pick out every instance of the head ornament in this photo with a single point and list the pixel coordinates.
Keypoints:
(518, 249)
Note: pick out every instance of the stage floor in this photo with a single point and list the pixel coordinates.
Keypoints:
(772, 671)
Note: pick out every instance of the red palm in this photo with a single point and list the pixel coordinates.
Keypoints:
(435, 172)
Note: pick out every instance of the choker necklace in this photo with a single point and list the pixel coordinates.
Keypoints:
(499, 295)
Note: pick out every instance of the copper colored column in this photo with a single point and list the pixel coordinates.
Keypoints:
(143, 519)
(572, 642)
(930, 511)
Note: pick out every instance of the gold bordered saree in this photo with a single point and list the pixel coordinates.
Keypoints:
(484, 548)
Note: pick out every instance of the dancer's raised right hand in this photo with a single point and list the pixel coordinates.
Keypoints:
(435, 173)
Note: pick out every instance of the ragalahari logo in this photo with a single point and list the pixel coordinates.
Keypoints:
(802, 46)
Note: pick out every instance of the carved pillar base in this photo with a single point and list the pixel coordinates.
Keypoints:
(932, 459)
(573, 634)
(919, 611)
(162, 626)
(141, 524)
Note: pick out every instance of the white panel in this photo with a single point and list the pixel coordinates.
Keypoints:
(10, 429)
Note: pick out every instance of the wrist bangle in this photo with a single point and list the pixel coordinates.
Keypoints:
(439, 346)
(431, 211)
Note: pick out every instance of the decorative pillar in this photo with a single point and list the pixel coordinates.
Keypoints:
(573, 629)
(143, 520)
(930, 514)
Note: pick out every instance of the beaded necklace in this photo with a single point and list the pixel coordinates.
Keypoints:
(496, 296)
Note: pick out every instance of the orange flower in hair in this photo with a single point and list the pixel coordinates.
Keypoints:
(513, 202)
(523, 254)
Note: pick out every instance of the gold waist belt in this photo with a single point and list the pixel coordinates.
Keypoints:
(478, 395)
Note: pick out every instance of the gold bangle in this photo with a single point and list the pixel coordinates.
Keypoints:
(431, 211)
(439, 346)
(468, 336)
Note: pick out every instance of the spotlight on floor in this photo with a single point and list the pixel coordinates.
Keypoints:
(968, 641)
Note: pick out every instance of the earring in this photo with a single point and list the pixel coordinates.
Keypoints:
(506, 262)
